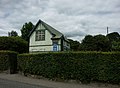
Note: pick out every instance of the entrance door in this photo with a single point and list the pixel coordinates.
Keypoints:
(55, 45)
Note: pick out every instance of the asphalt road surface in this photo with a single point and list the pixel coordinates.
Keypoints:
(20, 81)
(13, 84)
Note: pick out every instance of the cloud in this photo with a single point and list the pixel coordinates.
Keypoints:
(74, 33)
(74, 18)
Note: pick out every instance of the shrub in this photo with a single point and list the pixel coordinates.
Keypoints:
(14, 44)
(8, 60)
(83, 66)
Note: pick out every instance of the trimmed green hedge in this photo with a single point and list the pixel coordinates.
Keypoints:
(82, 66)
(8, 61)
(16, 44)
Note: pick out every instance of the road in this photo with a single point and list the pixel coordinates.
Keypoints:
(20, 81)
(13, 84)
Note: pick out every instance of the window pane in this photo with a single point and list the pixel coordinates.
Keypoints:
(40, 35)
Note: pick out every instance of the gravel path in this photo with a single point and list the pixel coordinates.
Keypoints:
(53, 84)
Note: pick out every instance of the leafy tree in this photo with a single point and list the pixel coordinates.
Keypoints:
(25, 31)
(102, 43)
(87, 43)
(74, 45)
(95, 43)
(13, 33)
(114, 36)
(116, 46)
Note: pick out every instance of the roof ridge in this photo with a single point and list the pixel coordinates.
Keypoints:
(50, 29)
(45, 24)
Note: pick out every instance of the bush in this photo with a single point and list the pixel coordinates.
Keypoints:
(8, 61)
(82, 66)
(14, 44)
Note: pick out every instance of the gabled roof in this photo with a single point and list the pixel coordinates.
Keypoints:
(56, 34)
(53, 31)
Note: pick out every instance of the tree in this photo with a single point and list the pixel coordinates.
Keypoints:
(87, 43)
(74, 45)
(25, 31)
(13, 33)
(95, 43)
(114, 36)
(114, 39)
(102, 43)
(116, 46)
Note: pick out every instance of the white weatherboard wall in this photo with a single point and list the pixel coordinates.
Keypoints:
(41, 45)
(66, 44)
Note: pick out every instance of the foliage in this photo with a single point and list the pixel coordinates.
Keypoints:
(116, 46)
(14, 44)
(74, 45)
(114, 36)
(95, 43)
(13, 33)
(102, 43)
(87, 43)
(8, 60)
(82, 66)
(25, 31)
(114, 39)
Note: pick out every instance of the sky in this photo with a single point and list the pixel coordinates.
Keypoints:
(74, 18)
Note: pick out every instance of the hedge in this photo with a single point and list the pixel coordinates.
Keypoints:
(82, 66)
(8, 61)
(16, 44)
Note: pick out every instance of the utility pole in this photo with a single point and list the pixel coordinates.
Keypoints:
(107, 30)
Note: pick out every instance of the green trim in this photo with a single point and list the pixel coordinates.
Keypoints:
(47, 27)
(62, 44)
(42, 51)
(55, 38)
(41, 30)
(41, 45)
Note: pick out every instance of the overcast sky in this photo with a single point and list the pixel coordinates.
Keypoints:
(74, 18)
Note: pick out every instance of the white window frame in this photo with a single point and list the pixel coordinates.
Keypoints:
(40, 35)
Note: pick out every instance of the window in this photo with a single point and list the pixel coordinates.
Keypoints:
(40, 35)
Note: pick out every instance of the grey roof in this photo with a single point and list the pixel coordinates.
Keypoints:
(53, 31)
(56, 34)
